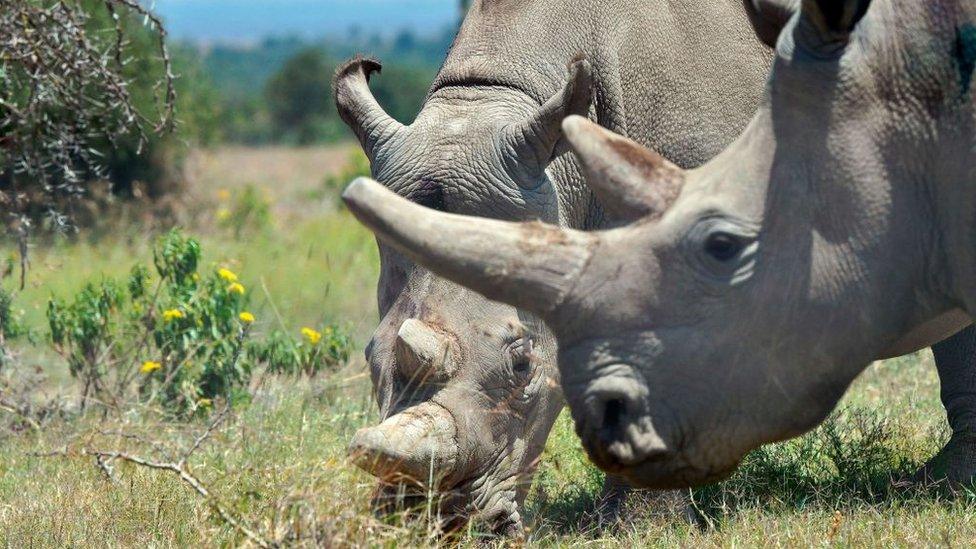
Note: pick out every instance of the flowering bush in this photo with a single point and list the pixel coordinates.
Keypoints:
(176, 336)
(316, 352)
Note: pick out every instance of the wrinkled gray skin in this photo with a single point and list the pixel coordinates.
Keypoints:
(467, 388)
(744, 296)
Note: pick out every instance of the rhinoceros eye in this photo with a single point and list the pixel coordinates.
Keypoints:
(521, 353)
(723, 246)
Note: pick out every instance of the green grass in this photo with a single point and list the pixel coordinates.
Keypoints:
(315, 270)
(280, 465)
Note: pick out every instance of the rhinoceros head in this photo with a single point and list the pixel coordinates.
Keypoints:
(467, 387)
(740, 299)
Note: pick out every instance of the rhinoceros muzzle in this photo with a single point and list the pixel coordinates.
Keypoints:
(418, 445)
(615, 428)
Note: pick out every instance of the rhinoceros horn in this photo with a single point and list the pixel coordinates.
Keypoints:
(416, 445)
(530, 265)
(422, 353)
(630, 181)
(357, 106)
(538, 139)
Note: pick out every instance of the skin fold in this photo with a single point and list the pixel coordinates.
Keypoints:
(735, 302)
(467, 387)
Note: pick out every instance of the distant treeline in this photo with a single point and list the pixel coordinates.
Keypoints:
(279, 91)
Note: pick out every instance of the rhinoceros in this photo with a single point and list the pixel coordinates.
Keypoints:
(739, 300)
(467, 387)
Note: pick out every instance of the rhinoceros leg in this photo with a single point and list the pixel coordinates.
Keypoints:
(955, 359)
(618, 500)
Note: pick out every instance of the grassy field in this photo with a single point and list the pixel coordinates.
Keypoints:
(278, 466)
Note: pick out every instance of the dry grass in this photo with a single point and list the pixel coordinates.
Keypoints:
(280, 465)
(286, 174)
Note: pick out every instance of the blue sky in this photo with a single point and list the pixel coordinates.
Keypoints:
(250, 20)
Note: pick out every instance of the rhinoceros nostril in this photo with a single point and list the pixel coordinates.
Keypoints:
(614, 411)
(621, 435)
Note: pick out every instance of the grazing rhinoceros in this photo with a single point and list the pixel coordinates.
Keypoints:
(467, 388)
(744, 296)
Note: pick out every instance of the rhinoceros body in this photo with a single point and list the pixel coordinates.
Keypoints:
(467, 388)
(741, 298)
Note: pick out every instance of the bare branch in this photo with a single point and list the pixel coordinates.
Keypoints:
(104, 458)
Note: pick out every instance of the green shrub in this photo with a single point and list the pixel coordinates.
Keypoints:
(357, 165)
(316, 352)
(11, 325)
(176, 336)
(248, 212)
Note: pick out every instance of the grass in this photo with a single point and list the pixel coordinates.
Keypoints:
(280, 465)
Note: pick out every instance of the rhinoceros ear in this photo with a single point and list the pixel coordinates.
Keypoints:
(538, 139)
(358, 108)
(834, 20)
(630, 180)
(768, 17)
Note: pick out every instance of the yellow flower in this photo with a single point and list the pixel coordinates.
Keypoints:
(246, 317)
(311, 335)
(223, 194)
(204, 402)
(173, 314)
(227, 274)
(150, 366)
(223, 214)
(236, 288)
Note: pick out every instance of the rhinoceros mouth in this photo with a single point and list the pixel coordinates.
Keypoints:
(679, 470)
(454, 506)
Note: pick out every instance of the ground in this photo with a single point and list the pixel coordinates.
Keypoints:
(279, 464)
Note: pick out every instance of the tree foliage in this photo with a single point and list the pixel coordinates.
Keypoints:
(84, 84)
(299, 97)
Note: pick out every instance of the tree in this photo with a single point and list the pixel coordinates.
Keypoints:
(299, 98)
(80, 80)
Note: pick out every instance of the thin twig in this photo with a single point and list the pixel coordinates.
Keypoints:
(267, 294)
(221, 415)
(21, 414)
(159, 448)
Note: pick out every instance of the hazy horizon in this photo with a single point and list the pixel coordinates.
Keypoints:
(245, 21)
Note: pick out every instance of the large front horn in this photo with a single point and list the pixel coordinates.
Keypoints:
(357, 106)
(529, 265)
(630, 180)
(417, 444)
(538, 139)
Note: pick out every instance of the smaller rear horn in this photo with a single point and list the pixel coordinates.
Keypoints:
(423, 354)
